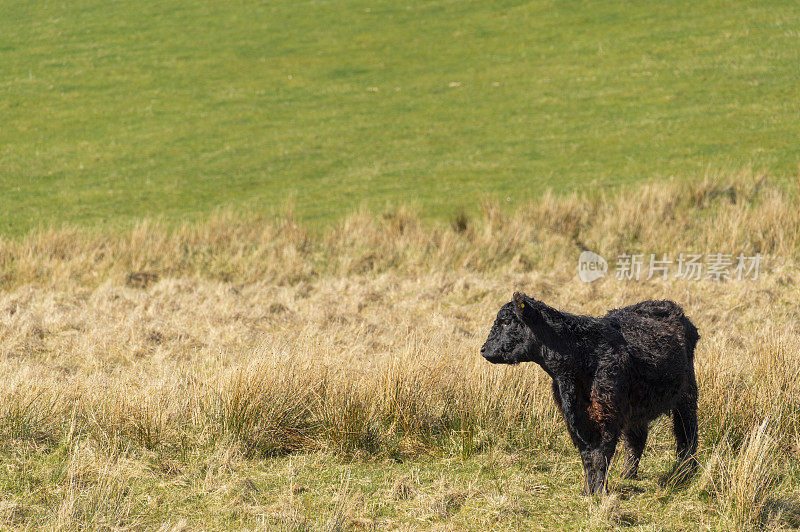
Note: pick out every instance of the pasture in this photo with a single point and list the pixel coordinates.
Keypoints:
(249, 252)
(245, 372)
(112, 111)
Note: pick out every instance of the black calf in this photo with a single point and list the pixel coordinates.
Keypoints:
(611, 376)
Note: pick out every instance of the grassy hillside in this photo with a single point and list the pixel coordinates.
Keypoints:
(249, 374)
(114, 110)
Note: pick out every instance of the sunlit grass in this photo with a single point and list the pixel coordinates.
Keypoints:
(206, 369)
(111, 111)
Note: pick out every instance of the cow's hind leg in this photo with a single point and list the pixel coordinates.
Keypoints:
(684, 419)
(635, 437)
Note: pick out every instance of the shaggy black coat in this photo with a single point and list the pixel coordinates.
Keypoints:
(611, 376)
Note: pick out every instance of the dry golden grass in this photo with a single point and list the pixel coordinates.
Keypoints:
(256, 338)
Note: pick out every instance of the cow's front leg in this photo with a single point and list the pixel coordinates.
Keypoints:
(586, 434)
(599, 458)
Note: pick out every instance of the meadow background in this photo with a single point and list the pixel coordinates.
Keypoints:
(115, 110)
(249, 252)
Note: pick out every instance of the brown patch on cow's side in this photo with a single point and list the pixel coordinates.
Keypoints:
(595, 412)
(600, 410)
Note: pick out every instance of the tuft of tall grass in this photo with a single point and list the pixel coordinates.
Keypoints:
(742, 479)
(266, 407)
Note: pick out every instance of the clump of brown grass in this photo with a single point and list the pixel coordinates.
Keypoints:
(441, 501)
(265, 406)
(605, 512)
(403, 487)
(743, 479)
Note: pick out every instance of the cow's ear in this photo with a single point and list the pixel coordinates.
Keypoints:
(523, 308)
(519, 303)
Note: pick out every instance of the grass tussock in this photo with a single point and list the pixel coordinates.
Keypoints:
(163, 347)
(743, 480)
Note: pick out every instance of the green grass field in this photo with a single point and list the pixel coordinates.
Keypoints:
(110, 111)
